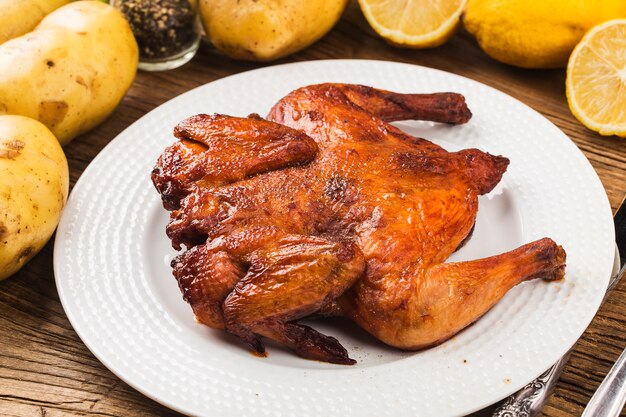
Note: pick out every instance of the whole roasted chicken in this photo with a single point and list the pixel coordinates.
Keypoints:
(324, 208)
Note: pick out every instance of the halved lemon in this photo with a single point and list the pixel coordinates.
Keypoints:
(596, 79)
(414, 23)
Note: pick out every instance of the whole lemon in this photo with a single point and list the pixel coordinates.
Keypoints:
(535, 33)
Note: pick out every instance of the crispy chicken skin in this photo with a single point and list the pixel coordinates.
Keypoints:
(326, 208)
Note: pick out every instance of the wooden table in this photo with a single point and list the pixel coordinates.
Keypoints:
(45, 369)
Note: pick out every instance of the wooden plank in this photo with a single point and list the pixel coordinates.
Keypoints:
(45, 370)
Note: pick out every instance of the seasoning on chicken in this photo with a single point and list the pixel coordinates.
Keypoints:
(326, 208)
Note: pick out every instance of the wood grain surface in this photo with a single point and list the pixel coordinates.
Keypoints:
(45, 369)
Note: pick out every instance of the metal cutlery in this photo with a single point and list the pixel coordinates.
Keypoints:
(609, 399)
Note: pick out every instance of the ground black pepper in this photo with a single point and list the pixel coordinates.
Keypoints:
(163, 28)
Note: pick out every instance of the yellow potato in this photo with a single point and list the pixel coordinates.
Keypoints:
(18, 17)
(34, 181)
(262, 30)
(70, 72)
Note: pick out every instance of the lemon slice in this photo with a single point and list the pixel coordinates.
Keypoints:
(596, 79)
(413, 23)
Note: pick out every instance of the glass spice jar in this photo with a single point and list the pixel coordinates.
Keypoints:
(167, 31)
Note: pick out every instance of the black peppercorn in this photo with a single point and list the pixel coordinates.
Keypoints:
(163, 28)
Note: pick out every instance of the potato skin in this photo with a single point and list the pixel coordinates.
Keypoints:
(34, 181)
(70, 72)
(263, 30)
(18, 17)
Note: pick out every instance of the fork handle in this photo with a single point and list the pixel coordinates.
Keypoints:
(609, 399)
(528, 401)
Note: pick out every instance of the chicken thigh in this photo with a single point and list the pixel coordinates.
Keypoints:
(327, 208)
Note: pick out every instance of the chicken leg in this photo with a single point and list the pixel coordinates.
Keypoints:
(447, 297)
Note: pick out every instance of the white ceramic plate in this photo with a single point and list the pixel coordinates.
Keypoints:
(112, 266)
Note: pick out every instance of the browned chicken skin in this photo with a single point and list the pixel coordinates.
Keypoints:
(325, 207)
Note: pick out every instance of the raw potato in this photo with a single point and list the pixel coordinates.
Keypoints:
(34, 181)
(18, 17)
(262, 30)
(70, 72)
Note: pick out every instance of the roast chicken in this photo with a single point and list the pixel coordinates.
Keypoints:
(324, 208)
